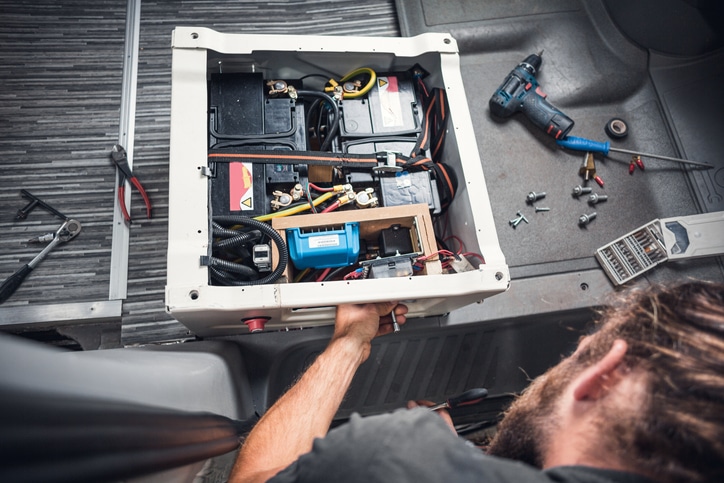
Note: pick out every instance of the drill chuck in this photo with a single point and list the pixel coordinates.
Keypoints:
(520, 91)
(532, 63)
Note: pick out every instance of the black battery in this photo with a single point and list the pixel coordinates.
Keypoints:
(389, 109)
(401, 145)
(406, 188)
(243, 114)
(238, 189)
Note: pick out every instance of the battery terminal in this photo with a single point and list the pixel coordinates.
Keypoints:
(366, 198)
(281, 200)
(351, 87)
(278, 87)
(297, 192)
(345, 198)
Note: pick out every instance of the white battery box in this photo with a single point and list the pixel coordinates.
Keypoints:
(200, 54)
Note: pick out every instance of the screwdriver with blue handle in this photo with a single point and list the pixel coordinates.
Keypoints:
(583, 144)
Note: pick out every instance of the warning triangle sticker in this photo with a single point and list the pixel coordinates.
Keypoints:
(381, 82)
(247, 202)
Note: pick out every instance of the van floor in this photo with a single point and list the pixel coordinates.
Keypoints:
(59, 117)
(59, 113)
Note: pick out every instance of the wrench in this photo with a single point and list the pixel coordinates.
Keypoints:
(67, 231)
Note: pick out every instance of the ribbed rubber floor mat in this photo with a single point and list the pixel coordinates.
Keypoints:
(431, 363)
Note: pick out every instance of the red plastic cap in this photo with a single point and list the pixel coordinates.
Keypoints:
(256, 325)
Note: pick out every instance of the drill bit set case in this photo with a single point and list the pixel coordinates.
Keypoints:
(309, 171)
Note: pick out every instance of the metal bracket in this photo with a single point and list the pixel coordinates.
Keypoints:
(389, 165)
(206, 171)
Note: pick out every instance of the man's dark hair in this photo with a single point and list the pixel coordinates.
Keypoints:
(676, 336)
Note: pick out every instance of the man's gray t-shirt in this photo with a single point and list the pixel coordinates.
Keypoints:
(417, 446)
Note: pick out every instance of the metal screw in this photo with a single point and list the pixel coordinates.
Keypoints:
(395, 324)
(579, 190)
(596, 198)
(541, 208)
(586, 219)
(533, 196)
(516, 221)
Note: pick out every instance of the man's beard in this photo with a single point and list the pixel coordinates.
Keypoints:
(527, 425)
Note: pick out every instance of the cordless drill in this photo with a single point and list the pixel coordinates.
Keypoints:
(520, 91)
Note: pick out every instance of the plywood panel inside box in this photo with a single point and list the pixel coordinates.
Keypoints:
(371, 221)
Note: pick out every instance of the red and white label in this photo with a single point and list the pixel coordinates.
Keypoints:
(390, 101)
(241, 187)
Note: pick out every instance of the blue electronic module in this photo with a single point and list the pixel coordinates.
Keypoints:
(329, 248)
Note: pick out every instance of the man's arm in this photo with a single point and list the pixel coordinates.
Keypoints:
(305, 412)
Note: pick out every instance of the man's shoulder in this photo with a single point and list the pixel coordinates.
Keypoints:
(406, 445)
(587, 474)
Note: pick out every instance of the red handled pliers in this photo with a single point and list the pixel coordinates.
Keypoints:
(118, 155)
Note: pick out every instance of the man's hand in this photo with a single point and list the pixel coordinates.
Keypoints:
(443, 413)
(288, 429)
(362, 323)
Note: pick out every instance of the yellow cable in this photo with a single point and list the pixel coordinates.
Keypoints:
(296, 209)
(366, 88)
(301, 275)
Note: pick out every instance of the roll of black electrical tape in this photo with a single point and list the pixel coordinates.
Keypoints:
(616, 128)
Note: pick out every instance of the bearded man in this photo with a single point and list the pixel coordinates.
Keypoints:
(640, 400)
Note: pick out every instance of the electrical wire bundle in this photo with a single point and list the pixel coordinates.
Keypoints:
(299, 207)
(432, 137)
(323, 129)
(323, 115)
(231, 260)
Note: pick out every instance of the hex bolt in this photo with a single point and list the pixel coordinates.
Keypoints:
(533, 196)
(538, 209)
(522, 217)
(596, 198)
(580, 190)
(584, 219)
